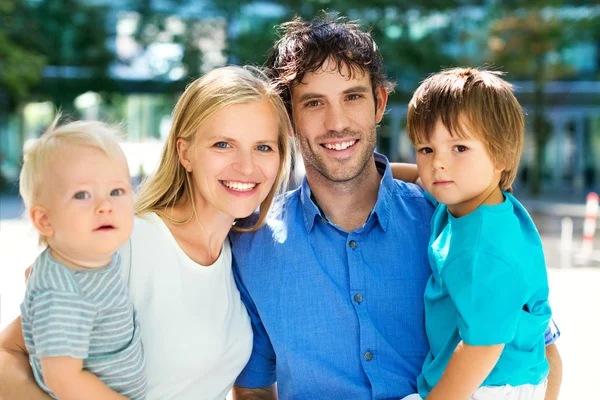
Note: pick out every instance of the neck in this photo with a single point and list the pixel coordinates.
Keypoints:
(75, 262)
(491, 196)
(346, 204)
(206, 230)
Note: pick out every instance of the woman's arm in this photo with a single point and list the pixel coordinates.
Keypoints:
(267, 393)
(67, 380)
(467, 369)
(16, 377)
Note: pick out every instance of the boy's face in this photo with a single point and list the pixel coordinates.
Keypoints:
(457, 172)
(335, 120)
(88, 204)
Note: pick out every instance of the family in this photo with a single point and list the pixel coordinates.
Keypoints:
(370, 281)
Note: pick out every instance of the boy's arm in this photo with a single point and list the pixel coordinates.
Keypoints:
(67, 380)
(467, 369)
(405, 172)
(16, 378)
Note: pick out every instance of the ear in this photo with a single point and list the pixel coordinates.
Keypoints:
(381, 96)
(41, 221)
(499, 168)
(183, 151)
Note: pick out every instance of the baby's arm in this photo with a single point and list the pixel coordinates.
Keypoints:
(67, 380)
(467, 369)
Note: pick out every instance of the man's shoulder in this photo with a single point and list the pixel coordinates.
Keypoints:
(410, 198)
(281, 209)
(408, 190)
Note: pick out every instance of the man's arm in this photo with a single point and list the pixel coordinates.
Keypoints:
(16, 377)
(555, 375)
(405, 172)
(267, 393)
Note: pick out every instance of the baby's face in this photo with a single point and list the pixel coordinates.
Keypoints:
(89, 204)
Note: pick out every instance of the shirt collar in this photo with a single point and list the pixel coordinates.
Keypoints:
(381, 211)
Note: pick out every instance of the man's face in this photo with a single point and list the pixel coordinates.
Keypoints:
(335, 120)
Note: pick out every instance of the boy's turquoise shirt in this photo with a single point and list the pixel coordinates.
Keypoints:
(488, 286)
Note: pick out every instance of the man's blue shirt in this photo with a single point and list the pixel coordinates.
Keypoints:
(337, 314)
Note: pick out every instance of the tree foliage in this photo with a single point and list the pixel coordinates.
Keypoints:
(66, 40)
(20, 67)
(528, 41)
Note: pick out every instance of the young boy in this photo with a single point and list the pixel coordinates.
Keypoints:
(78, 319)
(486, 303)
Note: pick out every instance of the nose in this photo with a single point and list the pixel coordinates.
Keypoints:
(104, 206)
(244, 163)
(336, 118)
(438, 164)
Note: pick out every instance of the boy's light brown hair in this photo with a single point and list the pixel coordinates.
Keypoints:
(477, 100)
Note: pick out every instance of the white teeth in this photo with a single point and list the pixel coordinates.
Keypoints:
(340, 146)
(239, 186)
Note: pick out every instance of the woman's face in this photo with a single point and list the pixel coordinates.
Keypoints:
(234, 158)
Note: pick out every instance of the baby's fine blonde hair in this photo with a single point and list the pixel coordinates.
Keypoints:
(38, 156)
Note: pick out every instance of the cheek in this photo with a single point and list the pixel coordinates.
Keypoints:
(270, 167)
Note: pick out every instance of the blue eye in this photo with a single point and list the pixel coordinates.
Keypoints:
(117, 192)
(81, 195)
(263, 147)
(221, 145)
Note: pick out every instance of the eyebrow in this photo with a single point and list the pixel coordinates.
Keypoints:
(353, 89)
(229, 139)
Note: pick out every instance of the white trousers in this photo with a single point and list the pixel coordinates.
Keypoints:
(506, 392)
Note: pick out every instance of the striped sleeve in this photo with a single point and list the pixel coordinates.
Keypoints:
(61, 324)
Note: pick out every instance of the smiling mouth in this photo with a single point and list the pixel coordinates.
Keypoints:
(239, 186)
(340, 146)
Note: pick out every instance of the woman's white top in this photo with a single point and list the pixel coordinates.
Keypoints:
(195, 330)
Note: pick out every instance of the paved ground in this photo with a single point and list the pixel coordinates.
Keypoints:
(575, 290)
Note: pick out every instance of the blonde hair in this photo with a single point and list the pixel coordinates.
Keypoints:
(36, 157)
(201, 99)
(475, 99)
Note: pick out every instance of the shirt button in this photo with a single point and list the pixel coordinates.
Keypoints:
(358, 297)
(352, 244)
(368, 356)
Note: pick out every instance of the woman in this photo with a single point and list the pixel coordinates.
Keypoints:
(226, 155)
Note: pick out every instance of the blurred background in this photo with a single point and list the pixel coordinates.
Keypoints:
(127, 61)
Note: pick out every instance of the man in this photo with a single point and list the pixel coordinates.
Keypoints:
(334, 282)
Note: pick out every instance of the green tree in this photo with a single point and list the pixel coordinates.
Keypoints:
(527, 39)
(20, 67)
(71, 37)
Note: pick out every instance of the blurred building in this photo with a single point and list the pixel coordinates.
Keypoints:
(147, 72)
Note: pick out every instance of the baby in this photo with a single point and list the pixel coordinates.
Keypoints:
(79, 322)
